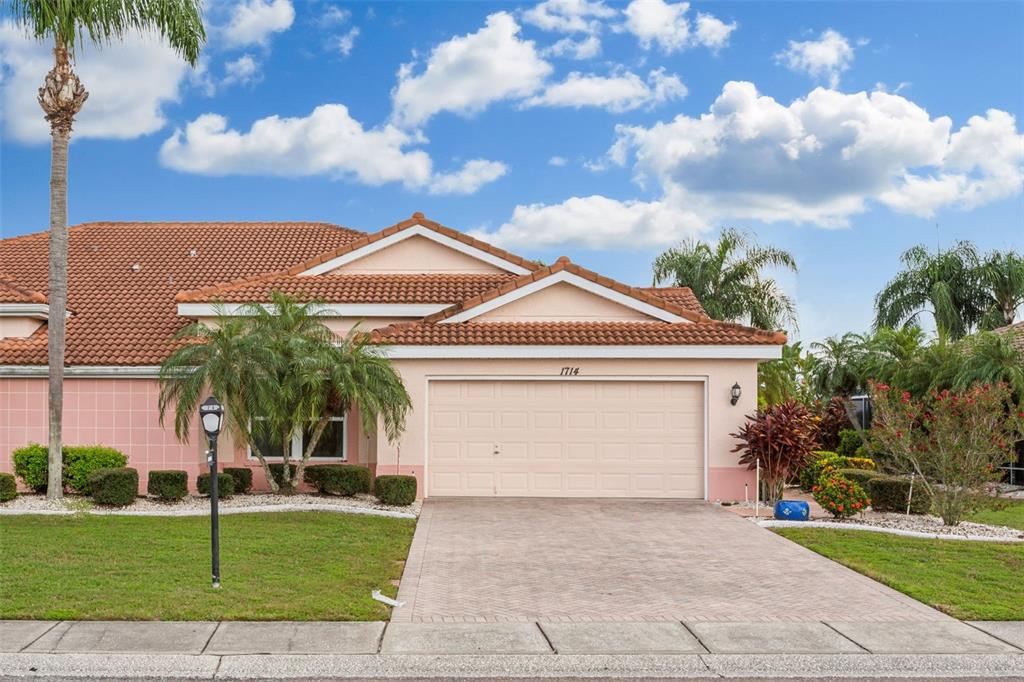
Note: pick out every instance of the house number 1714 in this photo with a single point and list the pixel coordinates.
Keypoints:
(570, 371)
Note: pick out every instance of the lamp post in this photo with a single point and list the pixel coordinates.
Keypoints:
(212, 414)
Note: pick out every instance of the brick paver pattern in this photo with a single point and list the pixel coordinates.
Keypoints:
(494, 560)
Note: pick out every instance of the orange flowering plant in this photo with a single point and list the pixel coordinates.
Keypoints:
(840, 496)
(955, 441)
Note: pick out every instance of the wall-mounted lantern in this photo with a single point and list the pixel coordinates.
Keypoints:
(735, 392)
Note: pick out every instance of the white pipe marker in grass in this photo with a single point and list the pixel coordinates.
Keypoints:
(386, 600)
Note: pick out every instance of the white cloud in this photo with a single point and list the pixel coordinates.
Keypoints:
(568, 16)
(327, 142)
(585, 48)
(473, 175)
(558, 161)
(622, 91)
(334, 16)
(594, 222)
(824, 157)
(668, 25)
(345, 42)
(245, 70)
(467, 73)
(128, 81)
(824, 59)
(254, 21)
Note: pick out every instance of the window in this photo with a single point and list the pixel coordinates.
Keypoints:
(330, 446)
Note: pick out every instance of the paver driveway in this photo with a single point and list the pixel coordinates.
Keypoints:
(602, 560)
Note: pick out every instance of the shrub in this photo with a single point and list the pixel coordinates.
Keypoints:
(832, 418)
(889, 494)
(243, 478)
(167, 485)
(780, 438)
(225, 484)
(277, 471)
(956, 440)
(82, 460)
(31, 464)
(338, 479)
(840, 496)
(850, 442)
(863, 463)
(115, 486)
(395, 490)
(858, 476)
(8, 487)
(820, 462)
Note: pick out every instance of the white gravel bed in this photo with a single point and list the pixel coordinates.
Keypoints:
(914, 525)
(200, 506)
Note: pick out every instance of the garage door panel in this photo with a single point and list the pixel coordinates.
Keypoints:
(565, 438)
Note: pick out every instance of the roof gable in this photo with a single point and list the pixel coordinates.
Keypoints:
(416, 226)
(564, 301)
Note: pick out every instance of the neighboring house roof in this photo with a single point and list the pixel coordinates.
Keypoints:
(1017, 329)
(13, 293)
(680, 295)
(375, 288)
(123, 277)
(563, 264)
(707, 332)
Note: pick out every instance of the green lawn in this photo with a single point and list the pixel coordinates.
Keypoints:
(1001, 513)
(280, 566)
(967, 580)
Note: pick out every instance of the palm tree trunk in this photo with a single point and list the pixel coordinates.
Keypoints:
(266, 466)
(313, 440)
(57, 295)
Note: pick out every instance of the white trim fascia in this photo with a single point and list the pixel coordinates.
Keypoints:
(88, 371)
(576, 281)
(512, 352)
(325, 310)
(414, 231)
(39, 311)
(502, 377)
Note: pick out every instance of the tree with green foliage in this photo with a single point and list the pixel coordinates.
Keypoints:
(728, 278)
(839, 360)
(790, 377)
(1002, 277)
(947, 285)
(279, 370)
(68, 25)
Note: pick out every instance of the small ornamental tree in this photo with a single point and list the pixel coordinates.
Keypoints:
(955, 441)
(782, 438)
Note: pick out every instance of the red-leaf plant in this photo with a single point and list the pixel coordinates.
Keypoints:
(954, 441)
(780, 437)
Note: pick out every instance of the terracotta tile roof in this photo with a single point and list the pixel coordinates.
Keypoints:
(681, 295)
(126, 315)
(416, 219)
(1017, 329)
(706, 332)
(13, 293)
(366, 288)
(565, 264)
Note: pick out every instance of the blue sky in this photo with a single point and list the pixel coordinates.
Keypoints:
(844, 132)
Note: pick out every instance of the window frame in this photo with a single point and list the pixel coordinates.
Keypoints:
(297, 446)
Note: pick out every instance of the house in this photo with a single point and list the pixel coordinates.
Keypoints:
(526, 380)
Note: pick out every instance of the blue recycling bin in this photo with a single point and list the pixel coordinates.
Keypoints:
(792, 510)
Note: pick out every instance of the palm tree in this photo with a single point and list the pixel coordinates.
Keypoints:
(1002, 276)
(280, 371)
(727, 278)
(839, 366)
(68, 24)
(945, 284)
(989, 358)
(790, 377)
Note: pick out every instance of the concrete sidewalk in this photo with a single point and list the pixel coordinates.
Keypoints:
(231, 650)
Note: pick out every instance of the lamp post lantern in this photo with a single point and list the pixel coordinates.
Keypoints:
(211, 413)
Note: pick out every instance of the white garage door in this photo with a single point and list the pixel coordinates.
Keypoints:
(566, 438)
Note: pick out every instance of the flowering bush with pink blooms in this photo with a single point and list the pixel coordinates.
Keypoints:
(955, 441)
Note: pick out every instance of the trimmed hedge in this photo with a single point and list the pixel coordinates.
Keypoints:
(858, 476)
(30, 465)
(82, 460)
(395, 490)
(167, 485)
(849, 442)
(338, 479)
(889, 494)
(32, 462)
(115, 486)
(225, 484)
(8, 487)
(243, 478)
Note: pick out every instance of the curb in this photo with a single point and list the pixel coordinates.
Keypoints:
(773, 523)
